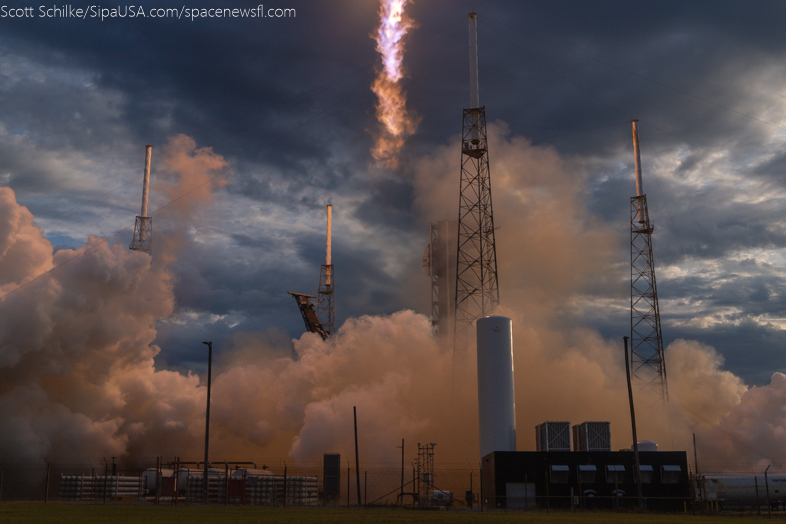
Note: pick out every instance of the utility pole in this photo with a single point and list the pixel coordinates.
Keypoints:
(401, 492)
(633, 426)
(767, 487)
(696, 459)
(207, 416)
(357, 460)
(49, 469)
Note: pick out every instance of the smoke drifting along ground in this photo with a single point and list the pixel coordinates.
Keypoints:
(77, 376)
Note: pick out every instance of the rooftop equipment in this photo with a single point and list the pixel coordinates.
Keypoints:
(552, 436)
(647, 445)
(592, 436)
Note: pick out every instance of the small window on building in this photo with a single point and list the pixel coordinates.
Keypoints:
(559, 474)
(646, 474)
(670, 474)
(615, 474)
(587, 474)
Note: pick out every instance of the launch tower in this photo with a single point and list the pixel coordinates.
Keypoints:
(647, 363)
(306, 307)
(143, 227)
(326, 306)
(477, 289)
(439, 263)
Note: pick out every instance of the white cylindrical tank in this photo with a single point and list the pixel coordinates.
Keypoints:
(249, 472)
(496, 394)
(647, 445)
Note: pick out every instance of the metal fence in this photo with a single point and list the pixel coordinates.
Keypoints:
(302, 485)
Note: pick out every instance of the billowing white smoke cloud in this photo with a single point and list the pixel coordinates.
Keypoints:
(76, 360)
(77, 376)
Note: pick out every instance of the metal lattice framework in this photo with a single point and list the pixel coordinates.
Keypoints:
(441, 259)
(326, 308)
(310, 318)
(647, 362)
(425, 473)
(143, 235)
(477, 288)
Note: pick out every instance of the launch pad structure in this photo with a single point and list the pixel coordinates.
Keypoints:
(310, 318)
(143, 226)
(320, 317)
(647, 363)
(477, 288)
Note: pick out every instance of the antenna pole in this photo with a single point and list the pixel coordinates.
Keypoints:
(146, 184)
(326, 309)
(143, 226)
(474, 95)
(329, 246)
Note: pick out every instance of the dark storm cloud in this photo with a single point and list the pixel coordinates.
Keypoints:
(287, 102)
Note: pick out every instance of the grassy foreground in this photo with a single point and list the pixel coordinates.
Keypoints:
(136, 514)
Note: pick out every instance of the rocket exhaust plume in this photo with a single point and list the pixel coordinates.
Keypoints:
(397, 122)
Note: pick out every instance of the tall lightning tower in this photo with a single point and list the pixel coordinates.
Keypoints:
(477, 290)
(647, 363)
(143, 227)
(326, 306)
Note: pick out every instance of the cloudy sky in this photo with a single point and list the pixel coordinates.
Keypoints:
(287, 102)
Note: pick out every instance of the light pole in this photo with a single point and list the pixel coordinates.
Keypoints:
(207, 414)
(633, 427)
(401, 492)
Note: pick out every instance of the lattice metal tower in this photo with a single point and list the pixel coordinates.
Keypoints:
(647, 362)
(326, 306)
(143, 227)
(477, 289)
(439, 263)
(425, 473)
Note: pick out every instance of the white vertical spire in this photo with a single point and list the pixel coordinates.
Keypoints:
(474, 95)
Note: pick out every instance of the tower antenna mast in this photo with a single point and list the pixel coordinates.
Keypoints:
(647, 363)
(477, 288)
(143, 226)
(326, 305)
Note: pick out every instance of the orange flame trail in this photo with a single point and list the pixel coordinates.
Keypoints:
(397, 122)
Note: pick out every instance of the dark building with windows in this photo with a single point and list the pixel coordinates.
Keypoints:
(596, 479)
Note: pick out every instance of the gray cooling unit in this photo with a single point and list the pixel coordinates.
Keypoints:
(552, 436)
(592, 436)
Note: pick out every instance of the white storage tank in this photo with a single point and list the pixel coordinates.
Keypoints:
(250, 472)
(496, 393)
(647, 445)
(149, 478)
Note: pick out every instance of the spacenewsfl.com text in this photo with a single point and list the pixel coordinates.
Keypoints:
(136, 11)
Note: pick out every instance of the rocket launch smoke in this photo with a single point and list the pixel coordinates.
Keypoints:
(77, 376)
(397, 122)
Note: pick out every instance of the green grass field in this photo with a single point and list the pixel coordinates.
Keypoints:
(138, 514)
